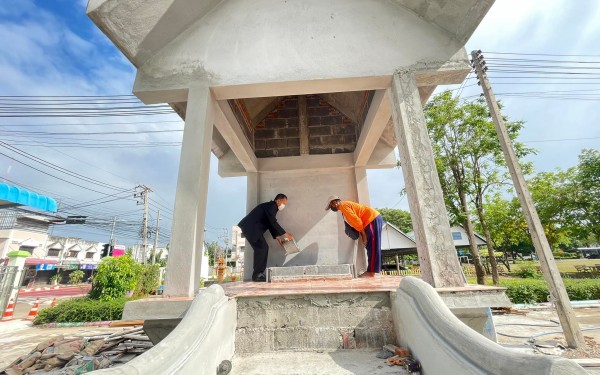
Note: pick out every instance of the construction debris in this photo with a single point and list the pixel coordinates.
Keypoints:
(400, 356)
(78, 355)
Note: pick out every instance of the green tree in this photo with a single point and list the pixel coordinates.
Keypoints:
(114, 278)
(507, 224)
(212, 251)
(469, 160)
(148, 279)
(553, 196)
(586, 205)
(399, 218)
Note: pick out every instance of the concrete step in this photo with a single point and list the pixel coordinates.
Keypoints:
(336, 362)
(311, 272)
(358, 320)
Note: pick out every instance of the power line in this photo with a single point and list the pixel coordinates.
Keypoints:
(58, 168)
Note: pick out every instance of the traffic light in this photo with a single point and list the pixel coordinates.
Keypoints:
(75, 220)
(107, 250)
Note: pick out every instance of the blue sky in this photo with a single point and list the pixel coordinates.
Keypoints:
(52, 48)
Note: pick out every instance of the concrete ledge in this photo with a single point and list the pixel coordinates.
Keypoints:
(203, 339)
(156, 308)
(310, 273)
(426, 325)
(474, 297)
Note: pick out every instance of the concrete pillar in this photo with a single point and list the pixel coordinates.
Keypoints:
(437, 256)
(362, 189)
(362, 186)
(252, 191)
(185, 256)
(17, 258)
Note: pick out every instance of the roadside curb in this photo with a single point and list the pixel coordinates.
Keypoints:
(46, 288)
(105, 323)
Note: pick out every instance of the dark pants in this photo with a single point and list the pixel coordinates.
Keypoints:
(373, 231)
(261, 252)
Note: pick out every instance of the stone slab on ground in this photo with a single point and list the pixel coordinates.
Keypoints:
(310, 272)
(338, 362)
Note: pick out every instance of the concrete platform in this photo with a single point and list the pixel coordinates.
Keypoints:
(310, 273)
(468, 296)
(338, 362)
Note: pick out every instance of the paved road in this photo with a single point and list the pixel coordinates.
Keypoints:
(62, 291)
(27, 299)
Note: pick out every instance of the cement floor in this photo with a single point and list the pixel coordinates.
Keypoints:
(372, 284)
(338, 362)
(538, 332)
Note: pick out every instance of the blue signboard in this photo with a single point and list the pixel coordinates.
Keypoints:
(45, 267)
(88, 266)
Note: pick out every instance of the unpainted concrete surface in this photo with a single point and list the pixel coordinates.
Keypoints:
(313, 322)
(426, 326)
(299, 363)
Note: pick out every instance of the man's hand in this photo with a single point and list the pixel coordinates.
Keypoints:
(280, 240)
(363, 237)
(289, 236)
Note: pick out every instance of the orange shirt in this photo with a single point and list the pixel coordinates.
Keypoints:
(357, 215)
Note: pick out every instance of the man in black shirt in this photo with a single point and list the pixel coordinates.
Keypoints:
(254, 225)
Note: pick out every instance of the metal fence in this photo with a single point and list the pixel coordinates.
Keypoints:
(8, 274)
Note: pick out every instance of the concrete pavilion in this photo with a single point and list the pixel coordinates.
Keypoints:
(301, 97)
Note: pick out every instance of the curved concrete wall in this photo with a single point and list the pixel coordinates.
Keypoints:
(203, 339)
(444, 345)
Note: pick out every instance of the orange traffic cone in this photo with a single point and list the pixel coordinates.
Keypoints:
(8, 313)
(53, 302)
(34, 310)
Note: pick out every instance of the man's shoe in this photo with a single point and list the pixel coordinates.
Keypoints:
(261, 277)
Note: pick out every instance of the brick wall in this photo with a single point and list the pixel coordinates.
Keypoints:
(329, 131)
(278, 133)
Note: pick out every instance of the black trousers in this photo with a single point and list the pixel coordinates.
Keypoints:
(261, 252)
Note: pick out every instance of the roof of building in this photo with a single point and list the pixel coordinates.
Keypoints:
(12, 196)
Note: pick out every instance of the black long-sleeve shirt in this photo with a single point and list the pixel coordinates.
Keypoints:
(261, 218)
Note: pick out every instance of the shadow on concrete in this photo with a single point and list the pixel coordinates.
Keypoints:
(307, 256)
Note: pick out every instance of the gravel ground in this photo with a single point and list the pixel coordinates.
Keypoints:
(538, 331)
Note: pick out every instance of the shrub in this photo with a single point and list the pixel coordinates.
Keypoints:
(82, 310)
(55, 278)
(114, 278)
(525, 291)
(75, 277)
(534, 291)
(148, 279)
(528, 271)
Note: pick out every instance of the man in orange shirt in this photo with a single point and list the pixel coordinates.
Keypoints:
(368, 223)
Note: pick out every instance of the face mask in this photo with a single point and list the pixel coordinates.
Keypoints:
(334, 209)
(281, 207)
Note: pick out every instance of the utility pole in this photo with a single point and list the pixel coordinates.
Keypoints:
(144, 195)
(550, 271)
(112, 231)
(155, 236)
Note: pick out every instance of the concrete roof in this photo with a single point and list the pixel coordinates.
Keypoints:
(141, 28)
